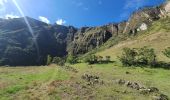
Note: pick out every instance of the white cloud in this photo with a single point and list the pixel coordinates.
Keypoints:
(11, 16)
(60, 22)
(44, 19)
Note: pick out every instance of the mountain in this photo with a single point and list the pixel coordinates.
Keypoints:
(19, 46)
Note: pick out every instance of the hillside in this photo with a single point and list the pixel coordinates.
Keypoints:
(20, 46)
(157, 37)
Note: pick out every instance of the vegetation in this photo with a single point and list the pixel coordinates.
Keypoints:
(166, 52)
(138, 57)
(49, 60)
(59, 61)
(52, 83)
(93, 59)
(72, 59)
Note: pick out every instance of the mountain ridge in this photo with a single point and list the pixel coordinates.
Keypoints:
(17, 45)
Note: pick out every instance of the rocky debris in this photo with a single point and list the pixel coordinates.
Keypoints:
(143, 90)
(70, 68)
(160, 97)
(92, 79)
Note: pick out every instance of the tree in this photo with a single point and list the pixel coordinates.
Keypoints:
(166, 52)
(138, 56)
(146, 56)
(128, 57)
(49, 60)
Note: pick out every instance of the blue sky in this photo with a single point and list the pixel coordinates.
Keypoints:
(75, 12)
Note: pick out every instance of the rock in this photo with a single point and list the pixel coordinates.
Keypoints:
(153, 89)
(128, 83)
(135, 86)
(120, 81)
(144, 91)
(160, 97)
(92, 79)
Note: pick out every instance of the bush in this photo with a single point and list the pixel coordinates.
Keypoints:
(138, 56)
(59, 61)
(72, 59)
(99, 58)
(146, 56)
(108, 58)
(128, 57)
(166, 52)
(91, 59)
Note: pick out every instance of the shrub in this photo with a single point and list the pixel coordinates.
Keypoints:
(166, 52)
(146, 56)
(128, 57)
(72, 59)
(138, 56)
(91, 59)
(108, 58)
(99, 58)
(59, 61)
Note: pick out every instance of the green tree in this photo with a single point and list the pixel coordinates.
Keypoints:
(138, 56)
(49, 60)
(146, 56)
(166, 52)
(128, 56)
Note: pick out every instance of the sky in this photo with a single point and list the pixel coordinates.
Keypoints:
(78, 13)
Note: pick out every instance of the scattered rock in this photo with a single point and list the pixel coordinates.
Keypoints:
(160, 97)
(120, 81)
(69, 68)
(153, 89)
(143, 90)
(92, 79)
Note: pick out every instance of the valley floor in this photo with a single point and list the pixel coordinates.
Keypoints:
(71, 83)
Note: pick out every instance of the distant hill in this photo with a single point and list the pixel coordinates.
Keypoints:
(18, 47)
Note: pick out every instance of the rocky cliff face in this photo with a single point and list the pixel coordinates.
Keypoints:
(88, 38)
(17, 45)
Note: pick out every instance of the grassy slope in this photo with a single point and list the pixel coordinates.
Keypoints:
(157, 37)
(20, 82)
(33, 83)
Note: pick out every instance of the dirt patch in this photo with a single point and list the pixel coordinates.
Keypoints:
(3, 85)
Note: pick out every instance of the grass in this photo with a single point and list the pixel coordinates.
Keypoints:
(17, 79)
(157, 37)
(55, 83)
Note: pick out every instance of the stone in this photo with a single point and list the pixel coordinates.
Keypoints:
(153, 89)
(120, 81)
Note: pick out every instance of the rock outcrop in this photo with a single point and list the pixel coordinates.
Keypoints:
(58, 40)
